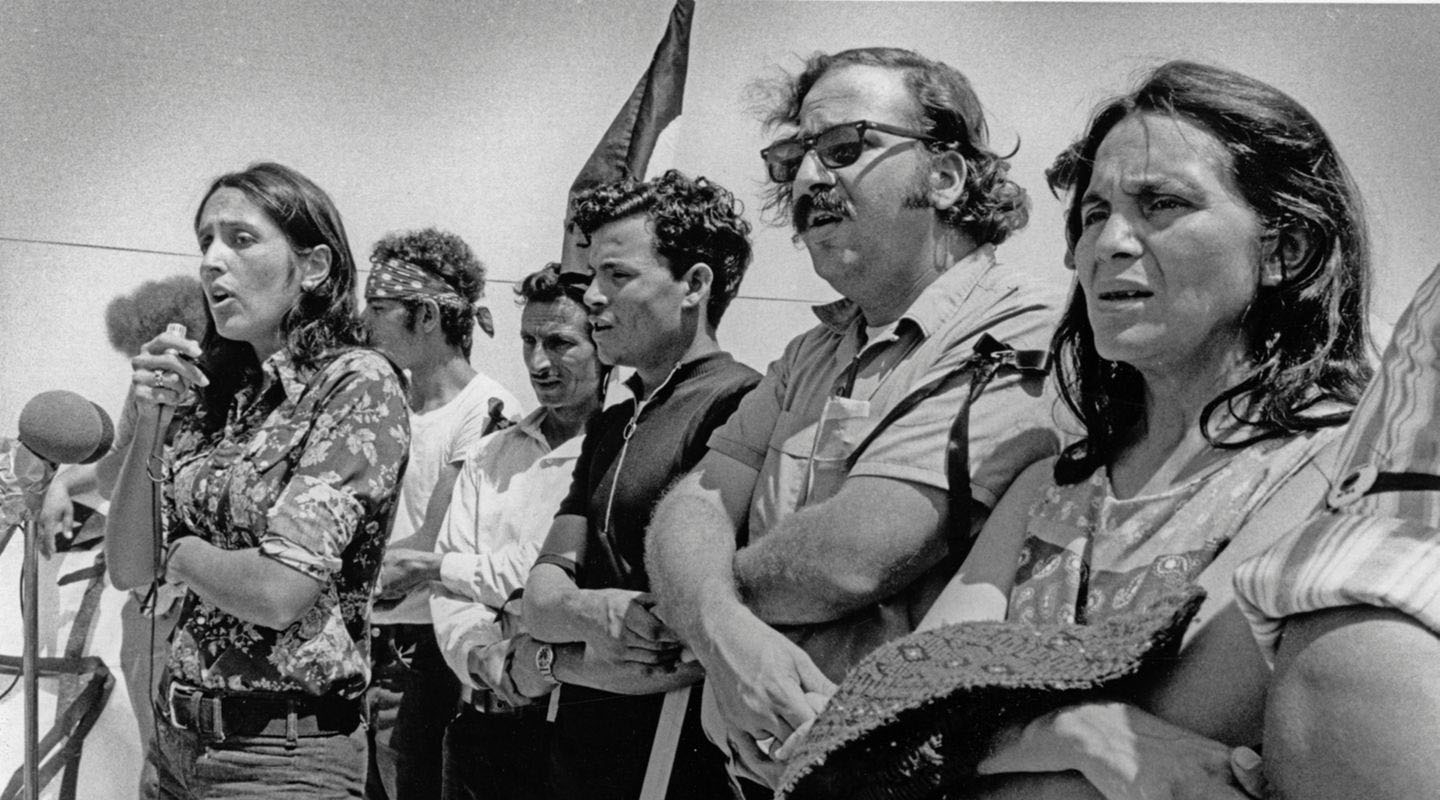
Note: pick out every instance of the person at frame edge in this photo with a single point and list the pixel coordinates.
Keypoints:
(891, 185)
(421, 309)
(667, 256)
(148, 614)
(500, 511)
(273, 498)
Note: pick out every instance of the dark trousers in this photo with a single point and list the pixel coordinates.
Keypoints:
(496, 756)
(412, 697)
(600, 748)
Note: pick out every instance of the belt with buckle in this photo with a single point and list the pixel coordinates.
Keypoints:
(487, 702)
(216, 716)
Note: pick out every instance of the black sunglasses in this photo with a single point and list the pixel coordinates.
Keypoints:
(837, 146)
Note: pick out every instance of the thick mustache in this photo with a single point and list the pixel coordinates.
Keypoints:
(825, 201)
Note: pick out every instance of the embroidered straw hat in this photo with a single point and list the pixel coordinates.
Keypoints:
(917, 715)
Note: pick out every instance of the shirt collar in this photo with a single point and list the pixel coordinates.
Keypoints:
(935, 304)
(530, 425)
(687, 368)
(280, 367)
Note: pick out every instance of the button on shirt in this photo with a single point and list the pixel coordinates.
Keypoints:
(1011, 425)
(791, 433)
(307, 471)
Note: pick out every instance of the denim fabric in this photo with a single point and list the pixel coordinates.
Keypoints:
(144, 641)
(258, 767)
(413, 696)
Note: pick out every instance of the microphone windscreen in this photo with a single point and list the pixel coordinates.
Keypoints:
(65, 428)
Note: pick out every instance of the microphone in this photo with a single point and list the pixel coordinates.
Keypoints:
(64, 428)
(56, 427)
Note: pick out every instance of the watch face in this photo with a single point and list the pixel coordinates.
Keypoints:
(545, 658)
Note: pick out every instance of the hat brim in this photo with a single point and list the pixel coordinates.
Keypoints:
(919, 713)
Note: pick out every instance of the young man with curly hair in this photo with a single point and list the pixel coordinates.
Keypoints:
(667, 256)
(421, 310)
(887, 178)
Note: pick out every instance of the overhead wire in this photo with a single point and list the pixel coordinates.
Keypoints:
(146, 251)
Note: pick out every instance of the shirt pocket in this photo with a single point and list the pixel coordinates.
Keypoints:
(260, 477)
(812, 455)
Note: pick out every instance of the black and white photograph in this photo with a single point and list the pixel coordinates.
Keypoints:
(734, 399)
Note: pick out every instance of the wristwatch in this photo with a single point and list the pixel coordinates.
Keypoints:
(545, 663)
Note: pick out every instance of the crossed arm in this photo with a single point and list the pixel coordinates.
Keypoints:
(404, 569)
(1175, 739)
(871, 539)
(314, 517)
(242, 582)
(610, 638)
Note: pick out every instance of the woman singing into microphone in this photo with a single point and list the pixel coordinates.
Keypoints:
(274, 498)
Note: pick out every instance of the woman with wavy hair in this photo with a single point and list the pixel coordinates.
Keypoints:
(273, 494)
(1212, 348)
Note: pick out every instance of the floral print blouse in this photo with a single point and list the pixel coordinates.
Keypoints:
(307, 469)
(1089, 555)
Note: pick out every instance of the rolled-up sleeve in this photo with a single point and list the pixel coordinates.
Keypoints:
(350, 464)
(745, 434)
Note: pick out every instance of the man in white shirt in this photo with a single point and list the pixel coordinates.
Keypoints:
(500, 512)
(421, 310)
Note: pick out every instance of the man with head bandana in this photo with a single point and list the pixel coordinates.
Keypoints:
(421, 310)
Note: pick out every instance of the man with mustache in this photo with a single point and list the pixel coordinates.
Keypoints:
(890, 184)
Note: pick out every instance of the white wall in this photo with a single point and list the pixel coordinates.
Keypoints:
(475, 117)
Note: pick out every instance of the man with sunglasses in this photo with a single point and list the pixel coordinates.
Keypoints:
(889, 182)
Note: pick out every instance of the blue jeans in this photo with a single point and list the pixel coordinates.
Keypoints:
(328, 767)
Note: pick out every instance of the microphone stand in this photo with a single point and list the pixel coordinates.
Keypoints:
(30, 598)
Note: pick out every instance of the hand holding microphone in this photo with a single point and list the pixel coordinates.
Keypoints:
(165, 371)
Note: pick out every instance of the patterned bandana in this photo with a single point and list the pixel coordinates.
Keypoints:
(397, 280)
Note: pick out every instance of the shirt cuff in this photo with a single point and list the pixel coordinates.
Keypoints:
(456, 570)
(754, 459)
(457, 652)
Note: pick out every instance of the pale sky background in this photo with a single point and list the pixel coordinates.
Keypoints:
(475, 117)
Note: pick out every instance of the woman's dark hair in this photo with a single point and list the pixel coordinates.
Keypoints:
(447, 257)
(1306, 337)
(322, 320)
(695, 220)
(994, 206)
